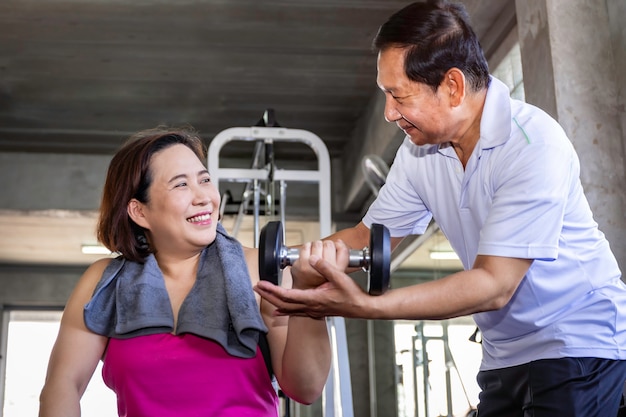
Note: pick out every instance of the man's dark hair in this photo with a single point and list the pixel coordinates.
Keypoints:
(437, 36)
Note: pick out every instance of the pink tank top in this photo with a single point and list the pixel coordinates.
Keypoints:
(166, 375)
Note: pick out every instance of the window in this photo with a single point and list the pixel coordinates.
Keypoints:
(29, 336)
(437, 366)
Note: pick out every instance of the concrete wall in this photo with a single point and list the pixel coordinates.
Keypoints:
(39, 285)
(616, 11)
(573, 62)
(32, 181)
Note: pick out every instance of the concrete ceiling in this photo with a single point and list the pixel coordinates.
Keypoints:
(78, 76)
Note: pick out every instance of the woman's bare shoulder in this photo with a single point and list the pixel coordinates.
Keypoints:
(92, 276)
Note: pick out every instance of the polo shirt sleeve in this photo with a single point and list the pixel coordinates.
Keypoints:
(531, 184)
(398, 205)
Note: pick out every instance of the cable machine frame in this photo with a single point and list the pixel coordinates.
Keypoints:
(337, 397)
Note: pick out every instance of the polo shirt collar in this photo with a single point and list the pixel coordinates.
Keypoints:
(495, 123)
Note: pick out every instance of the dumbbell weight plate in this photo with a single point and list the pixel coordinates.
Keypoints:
(380, 259)
(270, 244)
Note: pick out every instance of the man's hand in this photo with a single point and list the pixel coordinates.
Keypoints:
(336, 295)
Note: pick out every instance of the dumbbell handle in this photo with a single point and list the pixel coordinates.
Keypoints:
(375, 259)
(360, 258)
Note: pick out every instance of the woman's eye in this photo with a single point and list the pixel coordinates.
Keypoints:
(205, 180)
(181, 184)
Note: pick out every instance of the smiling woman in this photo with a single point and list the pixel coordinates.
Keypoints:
(177, 214)
(174, 319)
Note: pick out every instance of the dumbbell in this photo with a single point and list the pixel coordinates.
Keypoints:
(375, 259)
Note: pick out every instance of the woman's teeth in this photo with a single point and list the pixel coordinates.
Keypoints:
(201, 218)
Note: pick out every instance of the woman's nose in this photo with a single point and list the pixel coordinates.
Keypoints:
(202, 196)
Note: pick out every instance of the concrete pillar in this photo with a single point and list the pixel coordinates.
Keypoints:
(570, 71)
(617, 15)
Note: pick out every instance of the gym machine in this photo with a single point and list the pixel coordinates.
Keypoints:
(421, 359)
(337, 397)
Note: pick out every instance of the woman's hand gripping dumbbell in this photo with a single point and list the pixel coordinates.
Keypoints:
(375, 259)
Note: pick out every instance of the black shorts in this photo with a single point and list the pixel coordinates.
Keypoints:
(565, 387)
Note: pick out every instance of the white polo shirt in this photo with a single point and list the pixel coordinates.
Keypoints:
(519, 196)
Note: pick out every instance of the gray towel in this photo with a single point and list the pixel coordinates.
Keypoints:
(131, 300)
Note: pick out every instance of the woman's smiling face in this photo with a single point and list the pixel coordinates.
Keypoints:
(183, 205)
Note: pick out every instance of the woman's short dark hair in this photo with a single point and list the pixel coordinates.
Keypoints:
(129, 176)
(437, 36)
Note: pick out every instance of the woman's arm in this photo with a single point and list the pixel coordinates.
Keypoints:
(300, 351)
(75, 354)
(299, 346)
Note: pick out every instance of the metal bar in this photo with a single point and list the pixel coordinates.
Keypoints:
(448, 364)
(247, 174)
(337, 397)
(4, 335)
(371, 356)
(415, 363)
(247, 192)
(400, 254)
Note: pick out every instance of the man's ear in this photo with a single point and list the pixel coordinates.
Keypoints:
(135, 211)
(455, 85)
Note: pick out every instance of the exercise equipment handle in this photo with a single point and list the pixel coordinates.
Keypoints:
(360, 258)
